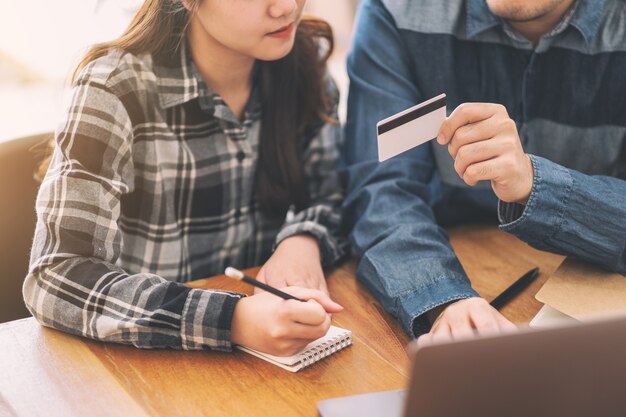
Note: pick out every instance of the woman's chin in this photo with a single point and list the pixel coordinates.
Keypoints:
(274, 52)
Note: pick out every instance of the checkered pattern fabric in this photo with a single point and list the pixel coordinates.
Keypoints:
(151, 185)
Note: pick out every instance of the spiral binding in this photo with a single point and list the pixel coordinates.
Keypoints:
(325, 349)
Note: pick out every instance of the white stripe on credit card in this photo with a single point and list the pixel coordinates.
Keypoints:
(411, 127)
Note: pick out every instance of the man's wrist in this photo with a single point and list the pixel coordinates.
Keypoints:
(530, 178)
(433, 314)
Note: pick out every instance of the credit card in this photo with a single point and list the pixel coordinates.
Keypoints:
(411, 127)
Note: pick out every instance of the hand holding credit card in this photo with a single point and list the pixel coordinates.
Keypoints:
(481, 138)
(411, 127)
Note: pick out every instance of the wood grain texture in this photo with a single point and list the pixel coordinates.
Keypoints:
(48, 373)
(493, 260)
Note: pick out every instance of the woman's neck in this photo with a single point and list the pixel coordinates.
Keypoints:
(225, 71)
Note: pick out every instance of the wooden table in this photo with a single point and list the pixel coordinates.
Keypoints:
(44, 372)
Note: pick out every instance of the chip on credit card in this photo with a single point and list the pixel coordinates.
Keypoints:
(411, 127)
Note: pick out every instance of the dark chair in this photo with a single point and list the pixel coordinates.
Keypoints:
(18, 190)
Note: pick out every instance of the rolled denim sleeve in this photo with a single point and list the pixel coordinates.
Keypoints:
(572, 214)
(406, 260)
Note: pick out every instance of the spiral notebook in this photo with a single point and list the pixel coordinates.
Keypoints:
(336, 339)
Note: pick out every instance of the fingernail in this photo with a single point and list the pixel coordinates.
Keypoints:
(440, 138)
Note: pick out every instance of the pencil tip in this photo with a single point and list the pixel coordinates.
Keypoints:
(233, 273)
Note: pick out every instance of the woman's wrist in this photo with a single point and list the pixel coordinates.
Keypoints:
(301, 244)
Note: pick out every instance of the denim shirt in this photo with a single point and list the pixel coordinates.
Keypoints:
(567, 95)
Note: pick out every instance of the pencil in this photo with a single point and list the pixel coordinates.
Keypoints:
(237, 274)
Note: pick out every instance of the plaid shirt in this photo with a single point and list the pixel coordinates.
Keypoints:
(151, 185)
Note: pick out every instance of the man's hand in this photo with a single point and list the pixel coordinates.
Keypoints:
(464, 318)
(296, 262)
(485, 145)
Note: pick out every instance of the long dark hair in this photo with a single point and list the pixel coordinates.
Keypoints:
(293, 90)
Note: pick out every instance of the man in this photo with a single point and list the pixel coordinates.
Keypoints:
(537, 141)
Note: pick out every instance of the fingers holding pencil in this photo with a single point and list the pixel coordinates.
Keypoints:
(294, 293)
(267, 323)
(281, 327)
(316, 296)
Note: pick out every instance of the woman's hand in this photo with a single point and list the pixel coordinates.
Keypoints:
(269, 324)
(485, 145)
(295, 262)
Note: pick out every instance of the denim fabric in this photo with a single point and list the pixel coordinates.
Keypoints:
(568, 98)
(573, 214)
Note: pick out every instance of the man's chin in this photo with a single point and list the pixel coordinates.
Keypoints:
(522, 11)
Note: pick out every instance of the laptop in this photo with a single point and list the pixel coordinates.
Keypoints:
(575, 370)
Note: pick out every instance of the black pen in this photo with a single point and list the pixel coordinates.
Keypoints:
(515, 288)
(237, 274)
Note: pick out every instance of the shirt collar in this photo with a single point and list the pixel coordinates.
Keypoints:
(480, 18)
(586, 18)
(175, 77)
(179, 82)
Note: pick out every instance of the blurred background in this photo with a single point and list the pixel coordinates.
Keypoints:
(41, 41)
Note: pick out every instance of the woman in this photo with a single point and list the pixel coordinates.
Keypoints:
(203, 137)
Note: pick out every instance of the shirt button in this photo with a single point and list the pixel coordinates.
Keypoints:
(241, 155)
